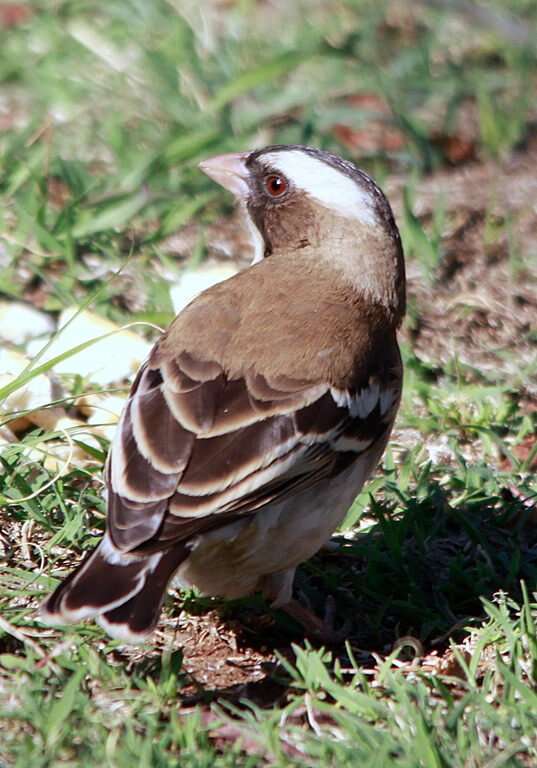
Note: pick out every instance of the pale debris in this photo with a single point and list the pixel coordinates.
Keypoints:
(102, 412)
(439, 451)
(193, 282)
(108, 360)
(67, 451)
(30, 397)
(20, 322)
(7, 436)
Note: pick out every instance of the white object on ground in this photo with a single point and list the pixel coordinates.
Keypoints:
(108, 360)
(32, 396)
(20, 322)
(193, 282)
(102, 411)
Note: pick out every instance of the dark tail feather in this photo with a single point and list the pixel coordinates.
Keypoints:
(135, 619)
(110, 582)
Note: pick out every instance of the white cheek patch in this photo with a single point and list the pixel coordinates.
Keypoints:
(331, 187)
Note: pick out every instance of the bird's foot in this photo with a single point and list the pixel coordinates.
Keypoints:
(324, 629)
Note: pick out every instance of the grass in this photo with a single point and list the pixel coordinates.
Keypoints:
(106, 110)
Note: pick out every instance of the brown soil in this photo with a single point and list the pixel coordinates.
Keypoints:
(482, 305)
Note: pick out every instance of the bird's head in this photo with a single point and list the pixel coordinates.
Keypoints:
(303, 199)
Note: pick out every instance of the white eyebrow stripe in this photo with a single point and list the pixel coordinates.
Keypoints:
(330, 187)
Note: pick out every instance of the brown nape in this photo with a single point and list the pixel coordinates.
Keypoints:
(369, 256)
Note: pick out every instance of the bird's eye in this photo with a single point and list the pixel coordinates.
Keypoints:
(275, 185)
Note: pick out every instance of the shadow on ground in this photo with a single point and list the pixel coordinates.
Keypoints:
(419, 572)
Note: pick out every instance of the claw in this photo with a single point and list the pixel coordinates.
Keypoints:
(329, 633)
(323, 629)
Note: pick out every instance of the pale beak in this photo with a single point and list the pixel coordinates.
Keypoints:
(229, 171)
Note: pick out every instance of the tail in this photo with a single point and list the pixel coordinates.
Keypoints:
(123, 592)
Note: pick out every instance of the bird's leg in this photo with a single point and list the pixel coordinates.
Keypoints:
(320, 629)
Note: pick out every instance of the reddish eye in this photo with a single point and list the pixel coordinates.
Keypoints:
(275, 185)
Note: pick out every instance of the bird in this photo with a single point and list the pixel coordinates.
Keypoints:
(262, 410)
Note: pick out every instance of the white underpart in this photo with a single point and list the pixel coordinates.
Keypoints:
(328, 185)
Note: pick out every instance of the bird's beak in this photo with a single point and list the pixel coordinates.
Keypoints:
(229, 171)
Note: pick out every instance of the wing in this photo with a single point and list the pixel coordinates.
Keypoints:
(195, 448)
